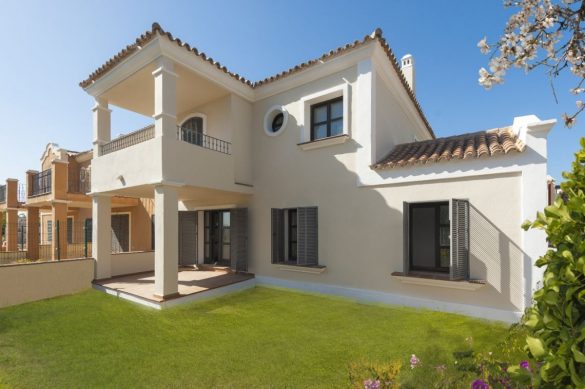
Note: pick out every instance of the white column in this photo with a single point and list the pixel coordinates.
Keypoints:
(166, 255)
(101, 125)
(165, 99)
(534, 196)
(102, 235)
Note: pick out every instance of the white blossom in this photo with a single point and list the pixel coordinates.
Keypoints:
(483, 46)
(533, 37)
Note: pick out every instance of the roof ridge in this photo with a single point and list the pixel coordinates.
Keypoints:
(376, 35)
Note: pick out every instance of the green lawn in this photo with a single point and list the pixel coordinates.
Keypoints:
(258, 338)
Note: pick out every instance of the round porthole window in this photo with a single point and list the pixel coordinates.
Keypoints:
(275, 120)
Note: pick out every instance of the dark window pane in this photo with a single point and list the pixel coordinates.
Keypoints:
(445, 254)
(444, 236)
(320, 114)
(320, 131)
(444, 211)
(277, 122)
(337, 109)
(423, 237)
(337, 127)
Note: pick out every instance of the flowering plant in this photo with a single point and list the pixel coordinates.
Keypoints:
(543, 33)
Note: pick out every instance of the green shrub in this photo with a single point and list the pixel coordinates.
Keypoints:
(362, 373)
(557, 318)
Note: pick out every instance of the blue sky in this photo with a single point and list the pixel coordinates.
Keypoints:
(48, 47)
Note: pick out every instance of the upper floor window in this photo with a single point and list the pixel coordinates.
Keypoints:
(192, 130)
(327, 119)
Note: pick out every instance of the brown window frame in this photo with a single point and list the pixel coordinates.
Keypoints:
(328, 120)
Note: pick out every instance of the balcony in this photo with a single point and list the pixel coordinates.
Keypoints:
(125, 141)
(40, 183)
(207, 142)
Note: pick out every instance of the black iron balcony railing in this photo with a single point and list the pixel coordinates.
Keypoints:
(199, 139)
(40, 183)
(2, 194)
(125, 141)
(21, 193)
(80, 181)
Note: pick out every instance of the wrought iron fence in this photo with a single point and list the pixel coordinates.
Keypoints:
(198, 138)
(13, 243)
(2, 194)
(125, 141)
(40, 183)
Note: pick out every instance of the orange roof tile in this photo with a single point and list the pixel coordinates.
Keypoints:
(467, 146)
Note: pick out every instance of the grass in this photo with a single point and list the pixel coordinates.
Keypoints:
(257, 338)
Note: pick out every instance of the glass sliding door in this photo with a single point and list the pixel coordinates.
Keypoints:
(217, 237)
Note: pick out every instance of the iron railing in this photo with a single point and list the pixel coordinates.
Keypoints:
(2, 194)
(40, 183)
(80, 181)
(199, 139)
(21, 193)
(125, 141)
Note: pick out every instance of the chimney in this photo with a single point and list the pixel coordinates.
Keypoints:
(408, 70)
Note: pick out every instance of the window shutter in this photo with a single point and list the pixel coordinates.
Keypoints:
(308, 236)
(459, 239)
(239, 239)
(277, 235)
(406, 237)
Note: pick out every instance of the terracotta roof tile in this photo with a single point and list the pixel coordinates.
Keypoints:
(467, 146)
(157, 30)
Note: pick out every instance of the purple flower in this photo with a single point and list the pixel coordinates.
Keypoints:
(414, 361)
(479, 384)
(525, 365)
(371, 384)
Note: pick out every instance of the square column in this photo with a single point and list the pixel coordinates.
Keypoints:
(59, 243)
(32, 233)
(166, 255)
(101, 248)
(165, 99)
(101, 125)
(11, 230)
(60, 180)
(11, 193)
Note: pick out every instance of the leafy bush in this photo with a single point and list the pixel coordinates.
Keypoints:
(372, 375)
(557, 318)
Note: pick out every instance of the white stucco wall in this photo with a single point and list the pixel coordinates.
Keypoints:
(134, 262)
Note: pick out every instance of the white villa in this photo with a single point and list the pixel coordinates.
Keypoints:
(326, 177)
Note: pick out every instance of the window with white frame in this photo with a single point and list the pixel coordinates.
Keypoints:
(326, 114)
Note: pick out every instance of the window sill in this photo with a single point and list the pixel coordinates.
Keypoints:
(302, 268)
(438, 280)
(324, 142)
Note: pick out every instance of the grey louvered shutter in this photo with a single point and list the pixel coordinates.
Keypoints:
(187, 238)
(406, 237)
(308, 236)
(239, 239)
(277, 235)
(459, 269)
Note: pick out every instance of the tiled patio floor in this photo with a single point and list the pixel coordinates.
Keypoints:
(191, 281)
